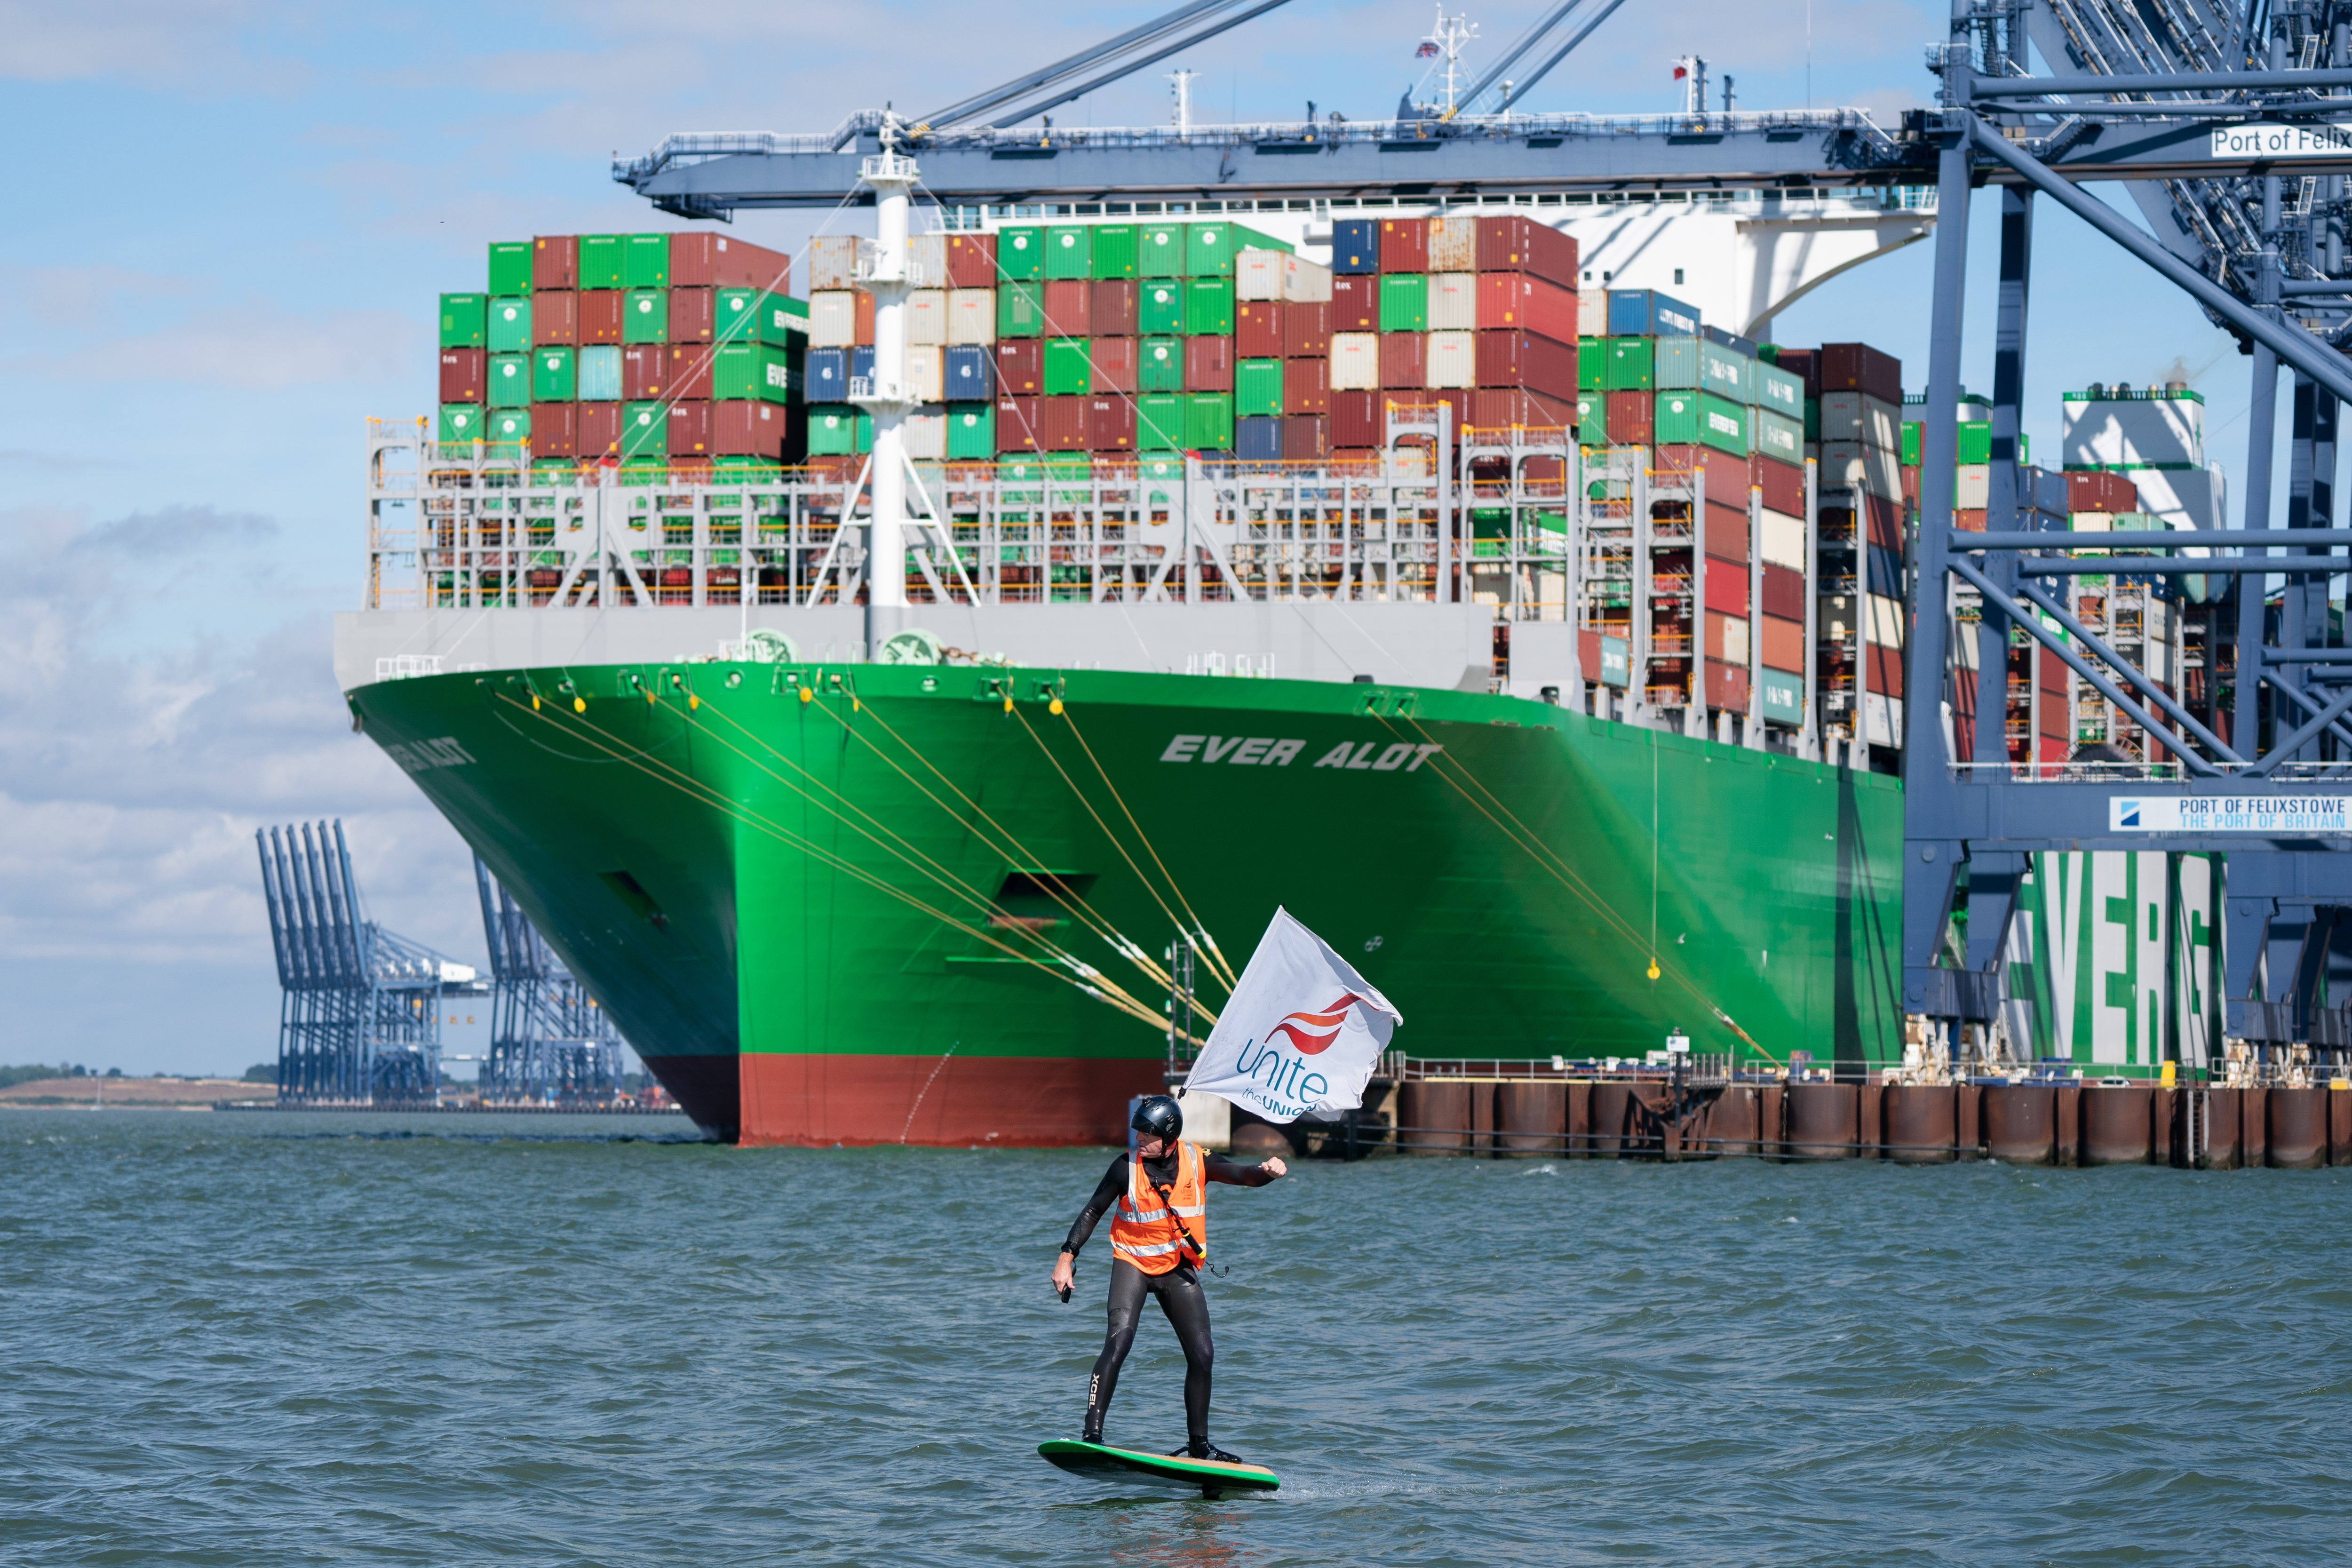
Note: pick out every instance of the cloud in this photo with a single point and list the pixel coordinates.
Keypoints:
(249, 349)
(201, 45)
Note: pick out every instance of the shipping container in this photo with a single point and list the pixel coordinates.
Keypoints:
(692, 315)
(1523, 359)
(1726, 686)
(1405, 360)
(1591, 314)
(1258, 388)
(1209, 421)
(460, 422)
(1519, 243)
(554, 263)
(972, 316)
(834, 429)
(1113, 311)
(827, 371)
(1160, 365)
(1355, 245)
(1113, 251)
(1358, 420)
(1305, 438)
(927, 318)
(1518, 301)
(756, 428)
(645, 430)
(1592, 418)
(972, 432)
(1404, 302)
(1592, 364)
(1209, 364)
(1783, 484)
(645, 261)
(1210, 247)
(1306, 386)
(1630, 365)
(509, 325)
(1258, 329)
(1114, 366)
(832, 263)
(1633, 417)
(462, 373)
(1849, 465)
(1208, 307)
(1159, 422)
(1453, 301)
(603, 267)
(1782, 646)
(757, 316)
(1069, 251)
(1279, 275)
(1257, 439)
(1020, 310)
(508, 426)
(1020, 423)
(511, 267)
(1068, 371)
(1771, 435)
(1452, 360)
(1307, 328)
(1160, 250)
(645, 372)
(1404, 245)
(1805, 364)
(1020, 369)
(1782, 591)
(645, 316)
(689, 371)
(1646, 314)
(554, 318)
(508, 381)
(1019, 255)
(1111, 424)
(1062, 423)
(1782, 391)
(1723, 425)
(1453, 245)
(1355, 361)
(972, 262)
(722, 261)
(1674, 418)
(1515, 407)
(1858, 367)
(1875, 422)
(599, 316)
(1726, 637)
(1727, 587)
(554, 375)
(1068, 305)
(598, 429)
(970, 374)
(1159, 308)
(1356, 304)
(599, 375)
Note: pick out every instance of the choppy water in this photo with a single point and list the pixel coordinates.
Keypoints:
(251, 1339)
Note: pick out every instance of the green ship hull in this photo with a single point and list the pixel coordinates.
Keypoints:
(871, 903)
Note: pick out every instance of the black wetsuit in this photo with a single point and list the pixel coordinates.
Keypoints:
(1179, 1289)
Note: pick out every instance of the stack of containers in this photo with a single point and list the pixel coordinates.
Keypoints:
(1481, 314)
(645, 348)
(1859, 397)
(1784, 542)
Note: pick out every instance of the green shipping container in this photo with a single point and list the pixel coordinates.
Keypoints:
(1159, 468)
(509, 325)
(1160, 365)
(554, 375)
(832, 430)
(1591, 364)
(1592, 419)
(1777, 437)
(757, 372)
(1813, 418)
(1722, 423)
(645, 261)
(1160, 250)
(1069, 368)
(1674, 421)
(1782, 695)
(460, 422)
(756, 316)
(1208, 307)
(511, 267)
(645, 430)
(1404, 302)
(972, 432)
(463, 320)
(1210, 247)
(645, 316)
(508, 426)
(1069, 251)
(1629, 367)
(1114, 250)
(1976, 434)
(1910, 454)
(602, 264)
(1257, 388)
(509, 382)
(1019, 255)
(1160, 309)
(1695, 364)
(1021, 311)
(1209, 421)
(1160, 421)
(1781, 393)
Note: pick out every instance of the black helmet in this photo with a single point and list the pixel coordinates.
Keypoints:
(1157, 1116)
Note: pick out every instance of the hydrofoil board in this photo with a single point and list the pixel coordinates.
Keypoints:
(1102, 1462)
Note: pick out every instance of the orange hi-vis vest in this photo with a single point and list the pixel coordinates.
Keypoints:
(1149, 1231)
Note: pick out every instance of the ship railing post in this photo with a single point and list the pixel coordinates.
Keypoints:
(888, 274)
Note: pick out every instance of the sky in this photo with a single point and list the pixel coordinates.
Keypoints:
(229, 232)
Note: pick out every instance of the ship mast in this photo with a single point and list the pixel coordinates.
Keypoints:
(1446, 39)
(887, 272)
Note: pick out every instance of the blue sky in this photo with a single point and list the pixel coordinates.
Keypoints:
(224, 241)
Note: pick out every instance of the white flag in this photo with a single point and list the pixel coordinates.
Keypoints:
(1301, 1033)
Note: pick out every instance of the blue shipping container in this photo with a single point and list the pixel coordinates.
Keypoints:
(861, 364)
(828, 375)
(970, 375)
(1646, 314)
(1732, 341)
(1886, 571)
(1258, 439)
(1356, 245)
(600, 373)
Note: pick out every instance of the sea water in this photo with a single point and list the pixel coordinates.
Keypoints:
(253, 1338)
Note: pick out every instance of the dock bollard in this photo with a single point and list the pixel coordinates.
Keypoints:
(2116, 1125)
(1922, 1124)
(2019, 1123)
(1824, 1119)
(2297, 1128)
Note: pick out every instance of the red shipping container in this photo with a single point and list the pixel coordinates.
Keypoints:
(1546, 470)
(1629, 415)
(1509, 407)
(1784, 595)
(1110, 423)
(690, 315)
(1306, 387)
(2053, 673)
(644, 371)
(1356, 419)
(1523, 359)
(1208, 364)
(862, 330)
(599, 430)
(1726, 476)
(555, 317)
(1019, 425)
(1513, 301)
(555, 429)
(1114, 367)
(1306, 438)
(461, 374)
(1781, 644)
(972, 262)
(747, 428)
(1882, 521)
(1724, 529)
(1727, 587)
(599, 312)
(1306, 330)
(1858, 367)
(1522, 245)
(689, 373)
(1112, 315)
(1356, 303)
(691, 472)
(1258, 329)
(1726, 686)
(1910, 472)
(1064, 427)
(1783, 485)
(1457, 399)
(1972, 522)
(1885, 672)
(1806, 365)
(689, 430)
(2101, 491)
(1404, 245)
(722, 261)
(1405, 361)
(1020, 369)
(555, 262)
(1070, 306)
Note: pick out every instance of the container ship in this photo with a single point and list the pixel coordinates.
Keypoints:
(903, 703)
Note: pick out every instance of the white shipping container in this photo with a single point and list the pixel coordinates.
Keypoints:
(833, 317)
(927, 317)
(927, 373)
(1973, 488)
(1355, 361)
(927, 255)
(1885, 620)
(1780, 540)
(1882, 719)
(1592, 313)
(1858, 416)
(926, 435)
(1850, 465)
(1726, 638)
(1452, 359)
(972, 316)
(1453, 245)
(832, 261)
(2150, 432)
(1452, 302)
(1279, 275)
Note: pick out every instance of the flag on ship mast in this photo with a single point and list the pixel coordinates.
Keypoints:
(1301, 1035)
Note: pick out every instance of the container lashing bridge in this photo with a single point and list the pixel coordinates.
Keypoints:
(2215, 116)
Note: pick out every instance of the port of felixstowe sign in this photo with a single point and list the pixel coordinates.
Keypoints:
(2282, 141)
(2292, 815)
(1301, 1033)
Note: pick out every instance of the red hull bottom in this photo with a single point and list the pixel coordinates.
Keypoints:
(1004, 1101)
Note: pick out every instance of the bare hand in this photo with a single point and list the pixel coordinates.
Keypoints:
(1274, 1166)
(1065, 1274)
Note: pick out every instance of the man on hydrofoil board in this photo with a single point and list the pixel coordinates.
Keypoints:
(1158, 1200)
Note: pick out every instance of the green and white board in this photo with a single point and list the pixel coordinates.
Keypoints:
(1103, 1462)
